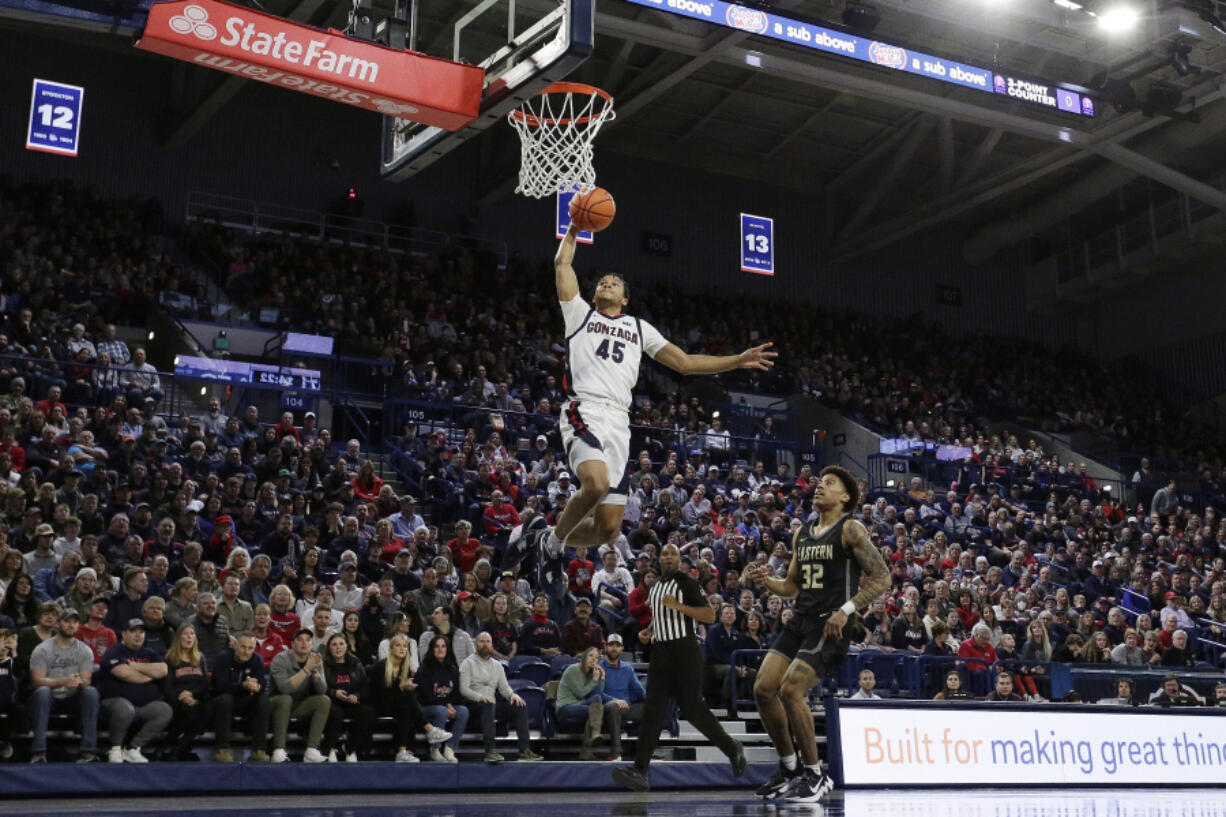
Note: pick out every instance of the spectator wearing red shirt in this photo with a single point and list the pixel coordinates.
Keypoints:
(281, 616)
(8, 443)
(52, 400)
(979, 646)
(285, 428)
(385, 543)
(96, 635)
(968, 611)
(464, 547)
(580, 570)
(499, 516)
(268, 642)
(637, 604)
(366, 483)
(222, 541)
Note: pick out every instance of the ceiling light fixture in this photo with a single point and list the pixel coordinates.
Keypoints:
(1118, 17)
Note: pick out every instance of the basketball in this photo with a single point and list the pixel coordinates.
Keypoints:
(592, 210)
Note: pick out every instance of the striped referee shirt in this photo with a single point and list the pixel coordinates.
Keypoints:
(670, 625)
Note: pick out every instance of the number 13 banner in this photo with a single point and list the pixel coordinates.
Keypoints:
(55, 118)
(757, 244)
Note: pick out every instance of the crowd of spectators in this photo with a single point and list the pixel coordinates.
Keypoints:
(900, 377)
(217, 565)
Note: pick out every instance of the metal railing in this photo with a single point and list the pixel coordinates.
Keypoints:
(258, 218)
(521, 428)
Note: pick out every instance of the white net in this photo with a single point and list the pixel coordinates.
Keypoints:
(556, 129)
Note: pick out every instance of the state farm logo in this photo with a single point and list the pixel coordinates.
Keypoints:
(745, 19)
(194, 20)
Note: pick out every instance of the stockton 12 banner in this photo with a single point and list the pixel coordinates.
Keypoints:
(266, 48)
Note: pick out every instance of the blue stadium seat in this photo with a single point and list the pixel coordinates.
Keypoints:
(539, 717)
(559, 664)
(519, 661)
(538, 673)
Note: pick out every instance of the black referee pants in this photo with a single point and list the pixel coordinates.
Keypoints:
(676, 672)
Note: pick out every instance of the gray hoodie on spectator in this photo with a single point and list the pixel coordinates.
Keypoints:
(480, 678)
(1135, 657)
(286, 666)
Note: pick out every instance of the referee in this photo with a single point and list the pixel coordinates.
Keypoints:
(675, 670)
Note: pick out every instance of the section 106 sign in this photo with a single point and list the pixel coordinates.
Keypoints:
(55, 118)
(757, 244)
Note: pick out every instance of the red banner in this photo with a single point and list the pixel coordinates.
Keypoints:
(274, 50)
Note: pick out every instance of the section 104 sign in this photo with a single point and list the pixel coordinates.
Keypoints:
(757, 244)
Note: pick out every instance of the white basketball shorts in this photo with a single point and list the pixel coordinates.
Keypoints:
(591, 431)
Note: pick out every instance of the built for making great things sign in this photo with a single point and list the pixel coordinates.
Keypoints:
(277, 51)
(1005, 744)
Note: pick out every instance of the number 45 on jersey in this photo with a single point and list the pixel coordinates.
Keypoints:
(613, 350)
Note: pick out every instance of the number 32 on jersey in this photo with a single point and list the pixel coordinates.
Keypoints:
(811, 576)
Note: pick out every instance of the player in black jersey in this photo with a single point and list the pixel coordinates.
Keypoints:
(828, 558)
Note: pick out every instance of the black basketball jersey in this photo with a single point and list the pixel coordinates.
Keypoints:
(829, 574)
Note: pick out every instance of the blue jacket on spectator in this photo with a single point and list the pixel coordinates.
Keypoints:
(622, 682)
(49, 585)
(721, 643)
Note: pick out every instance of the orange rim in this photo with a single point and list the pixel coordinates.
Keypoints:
(563, 88)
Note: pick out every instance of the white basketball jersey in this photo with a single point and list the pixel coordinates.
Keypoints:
(603, 353)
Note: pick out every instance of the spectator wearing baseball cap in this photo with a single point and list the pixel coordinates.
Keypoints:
(93, 632)
(623, 689)
(517, 608)
(407, 520)
(128, 682)
(42, 556)
(61, 669)
(582, 631)
(1175, 608)
(346, 594)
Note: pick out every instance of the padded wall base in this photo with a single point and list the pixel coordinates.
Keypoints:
(104, 779)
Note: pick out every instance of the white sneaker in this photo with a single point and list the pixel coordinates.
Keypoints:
(133, 755)
(115, 755)
(332, 756)
(279, 756)
(437, 736)
(352, 757)
(436, 755)
(407, 757)
(551, 544)
(313, 755)
(615, 759)
(449, 755)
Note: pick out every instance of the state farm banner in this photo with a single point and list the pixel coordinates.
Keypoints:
(277, 51)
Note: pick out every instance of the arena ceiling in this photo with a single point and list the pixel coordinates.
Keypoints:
(892, 153)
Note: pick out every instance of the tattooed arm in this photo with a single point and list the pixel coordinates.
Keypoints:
(876, 578)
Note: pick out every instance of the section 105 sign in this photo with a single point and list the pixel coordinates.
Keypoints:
(55, 118)
(757, 244)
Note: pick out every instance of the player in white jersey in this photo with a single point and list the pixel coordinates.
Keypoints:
(604, 348)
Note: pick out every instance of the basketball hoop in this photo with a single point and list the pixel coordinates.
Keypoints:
(556, 128)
